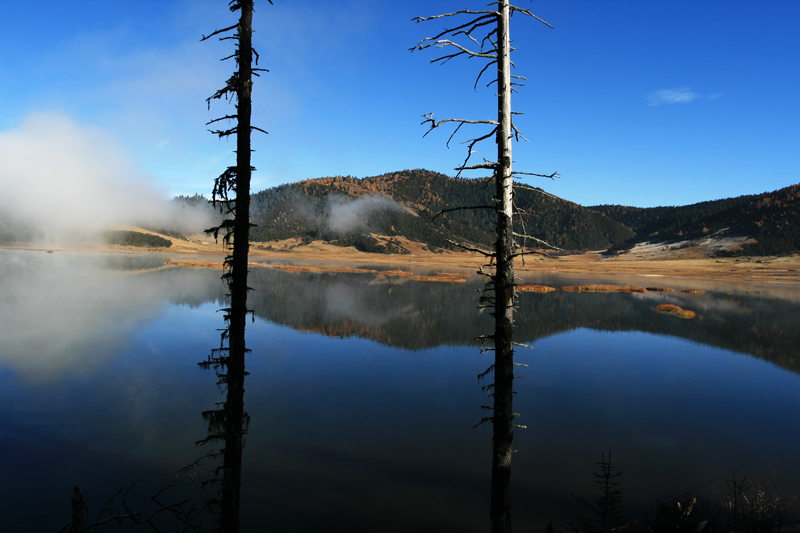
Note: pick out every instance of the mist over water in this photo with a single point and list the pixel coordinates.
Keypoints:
(69, 314)
(59, 177)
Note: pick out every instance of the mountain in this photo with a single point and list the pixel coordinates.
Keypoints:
(382, 213)
(373, 213)
(771, 222)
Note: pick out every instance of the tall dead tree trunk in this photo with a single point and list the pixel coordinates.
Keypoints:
(229, 424)
(234, 403)
(496, 48)
(503, 413)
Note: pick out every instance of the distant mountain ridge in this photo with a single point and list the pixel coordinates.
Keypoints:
(373, 213)
(383, 213)
(771, 220)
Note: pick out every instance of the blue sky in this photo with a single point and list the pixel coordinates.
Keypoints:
(633, 102)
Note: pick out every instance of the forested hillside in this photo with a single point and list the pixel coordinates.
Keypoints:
(772, 219)
(347, 210)
(373, 214)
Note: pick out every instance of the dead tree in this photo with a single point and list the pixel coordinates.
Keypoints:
(485, 35)
(231, 194)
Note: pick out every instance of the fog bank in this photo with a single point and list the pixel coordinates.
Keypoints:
(59, 177)
(345, 215)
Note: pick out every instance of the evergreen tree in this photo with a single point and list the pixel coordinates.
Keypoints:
(604, 513)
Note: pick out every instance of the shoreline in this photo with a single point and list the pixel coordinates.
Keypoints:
(770, 270)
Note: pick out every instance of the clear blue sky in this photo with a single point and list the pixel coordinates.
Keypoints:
(633, 102)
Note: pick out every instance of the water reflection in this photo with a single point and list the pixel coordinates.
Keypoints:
(418, 315)
(70, 314)
(363, 393)
(85, 306)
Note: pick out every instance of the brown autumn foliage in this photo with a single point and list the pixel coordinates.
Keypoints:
(535, 288)
(446, 279)
(674, 310)
(603, 288)
(207, 264)
(289, 268)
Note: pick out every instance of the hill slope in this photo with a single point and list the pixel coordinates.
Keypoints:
(372, 213)
(771, 220)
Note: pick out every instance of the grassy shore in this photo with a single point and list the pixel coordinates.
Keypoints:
(667, 264)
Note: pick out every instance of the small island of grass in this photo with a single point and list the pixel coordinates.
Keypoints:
(674, 310)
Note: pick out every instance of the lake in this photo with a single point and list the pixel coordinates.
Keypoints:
(363, 392)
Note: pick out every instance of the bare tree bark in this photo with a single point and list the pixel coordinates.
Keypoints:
(234, 433)
(230, 423)
(503, 413)
(494, 46)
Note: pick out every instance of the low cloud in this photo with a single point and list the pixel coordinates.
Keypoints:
(344, 216)
(59, 177)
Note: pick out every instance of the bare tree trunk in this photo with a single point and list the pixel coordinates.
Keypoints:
(503, 415)
(230, 423)
(234, 404)
(494, 47)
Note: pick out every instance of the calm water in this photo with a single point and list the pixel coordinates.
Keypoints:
(363, 392)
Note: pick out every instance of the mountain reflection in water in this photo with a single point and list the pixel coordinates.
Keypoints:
(416, 315)
(363, 392)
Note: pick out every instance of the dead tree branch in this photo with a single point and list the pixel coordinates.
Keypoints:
(540, 241)
(463, 208)
(470, 248)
